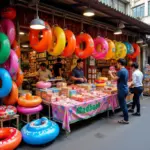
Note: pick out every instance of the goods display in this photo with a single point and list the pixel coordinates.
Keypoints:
(10, 138)
(40, 131)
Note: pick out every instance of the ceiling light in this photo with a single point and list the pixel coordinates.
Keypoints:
(144, 45)
(139, 41)
(37, 23)
(21, 33)
(118, 31)
(25, 45)
(88, 13)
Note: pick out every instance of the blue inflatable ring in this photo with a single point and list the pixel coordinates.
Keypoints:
(40, 131)
(6, 83)
(129, 47)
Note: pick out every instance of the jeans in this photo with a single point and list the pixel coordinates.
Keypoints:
(122, 102)
(137, 91)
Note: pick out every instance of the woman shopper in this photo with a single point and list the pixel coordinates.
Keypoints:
(122, 88)
(137, 79)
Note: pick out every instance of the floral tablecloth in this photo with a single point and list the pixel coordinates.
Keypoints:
(76, 111)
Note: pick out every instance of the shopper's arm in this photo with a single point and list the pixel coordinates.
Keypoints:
(113, 76)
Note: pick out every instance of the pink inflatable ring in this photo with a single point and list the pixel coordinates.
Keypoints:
(12, 64)
(101, 48)
(43, 85)
(31, 110)
(7, 27)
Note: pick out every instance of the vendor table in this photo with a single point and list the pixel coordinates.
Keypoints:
(68, 114)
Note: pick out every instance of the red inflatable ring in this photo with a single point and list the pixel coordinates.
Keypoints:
(10, 138)
(71, 43)
(8, 13)
(87, 39)
(44, 43)
(7, 111)
(136, 51)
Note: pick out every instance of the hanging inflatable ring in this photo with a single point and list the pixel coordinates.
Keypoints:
(12, 98)
(8, 13)
(111, 49)
(12, 64)
(19, 78)
(101, 48)
(136, 51)
(129, 47)
(71, 43)
(58, 47)
(7, 27)
(4, 49)
(16, 48)
(6, 83)
(44, 43)
(11, 138)
(84, 53)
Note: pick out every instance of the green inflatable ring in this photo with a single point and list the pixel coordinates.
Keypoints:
(4, 48)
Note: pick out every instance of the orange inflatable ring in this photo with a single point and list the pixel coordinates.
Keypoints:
(87, 39)
(136, 51)
(29, 101)
(16, 48)
(12, 98)
(71, 43)
(10, 138)
(19, 78)
(46, 41)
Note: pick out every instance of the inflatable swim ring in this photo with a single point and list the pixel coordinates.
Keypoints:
(129, 47)
(7, 111)
(6, 83)
(101, 48)
(136, 51)
(12, 98)
(7, 26)
(71, 43)
(29, 101)
(19, 77)
(33, 110)
(10, 138)
(87, 39)
(44, 43)
(5, 48)
(42, 84)
(12, 64)
(100, 84)
(8, 13)
(40, 131)
(59, 41)
(16, 48)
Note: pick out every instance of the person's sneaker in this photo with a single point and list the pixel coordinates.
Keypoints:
(136, 114)
(131, 110)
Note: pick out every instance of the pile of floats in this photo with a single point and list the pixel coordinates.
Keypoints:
(54, 41)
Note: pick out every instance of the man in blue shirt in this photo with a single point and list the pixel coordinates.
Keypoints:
(78, 74)
(122, 86)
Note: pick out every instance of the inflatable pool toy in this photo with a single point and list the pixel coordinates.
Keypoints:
(19, 77)
(10, 138)
(12, 98)
(71, 43)
(44, 43)
(136, 51)
(8, 13)
(43, 85)
(59, 42)
(7, 26)
(111, 49)
(5, 48)
(33, 110)
(29, 101)
(101, 48)
(7, 111)
(88, 50)
(129, 47)
(16, 48)
(103, 79)
(40, 131)
(100, 84)
(12, 64)
(6, 83)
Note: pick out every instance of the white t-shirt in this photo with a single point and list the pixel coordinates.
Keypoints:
(43, 75)
(137, 78)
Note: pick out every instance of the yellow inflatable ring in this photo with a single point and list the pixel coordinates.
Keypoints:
(59, 41)
(101, 84)
(111, 50)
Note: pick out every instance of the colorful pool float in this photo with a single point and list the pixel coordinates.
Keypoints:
(40, 131)
(43, 85)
